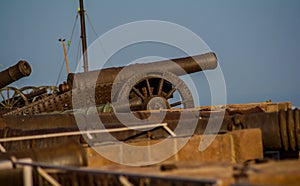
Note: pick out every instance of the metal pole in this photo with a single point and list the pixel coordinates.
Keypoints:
(83, 36)
(65, 55)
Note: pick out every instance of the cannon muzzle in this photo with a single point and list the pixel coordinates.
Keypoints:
(13, 73)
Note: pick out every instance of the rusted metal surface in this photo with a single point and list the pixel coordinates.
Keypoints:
(147, 84)
(30, 95)
(12, 98)
(25, 144)
(180, 66)
(143, 92)
(12, 177)
(275, 131)
(13, 73)
(279, 133)
(280, 130)
(66, 154)
(37, 122)
(52, 103)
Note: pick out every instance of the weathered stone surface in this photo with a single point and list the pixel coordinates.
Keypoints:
(272, 173)
(247, 144)
(236, 146)
(264, 106)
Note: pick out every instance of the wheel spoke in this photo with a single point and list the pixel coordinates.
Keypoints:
(7, 94)
(138, 93)
(8, 101)
(176, 104)
(145, 92)
(170, 93)
(149, 88)
(2, 96)
(161, 83)
(12, 100)
(182, 102)
(2, 103)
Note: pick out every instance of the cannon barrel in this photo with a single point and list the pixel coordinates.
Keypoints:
(13, 73)
(69, 153)
(179, 66)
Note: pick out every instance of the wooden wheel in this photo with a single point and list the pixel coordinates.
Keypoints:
(11, 98)
(154, 91)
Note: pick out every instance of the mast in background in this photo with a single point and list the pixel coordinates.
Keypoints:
(83, 36)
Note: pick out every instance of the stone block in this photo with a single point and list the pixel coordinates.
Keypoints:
(233, 147)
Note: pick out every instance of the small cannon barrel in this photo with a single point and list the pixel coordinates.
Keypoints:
(13, 73)
(179, 66)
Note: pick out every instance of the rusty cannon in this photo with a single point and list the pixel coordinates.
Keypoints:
(10, 97)
(146, 86)
(179, 66)
(14, 73)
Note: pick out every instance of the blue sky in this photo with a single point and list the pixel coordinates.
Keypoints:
(257, 42)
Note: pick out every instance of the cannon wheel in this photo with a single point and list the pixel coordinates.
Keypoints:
(11, 98)
(30, 89)
(155, 91)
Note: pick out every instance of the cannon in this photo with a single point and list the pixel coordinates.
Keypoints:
(179, 66)
(10, 97)
(147, 86)
(14, 73)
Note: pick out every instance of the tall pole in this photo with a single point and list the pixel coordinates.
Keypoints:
(83, 36)
(65, 54)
